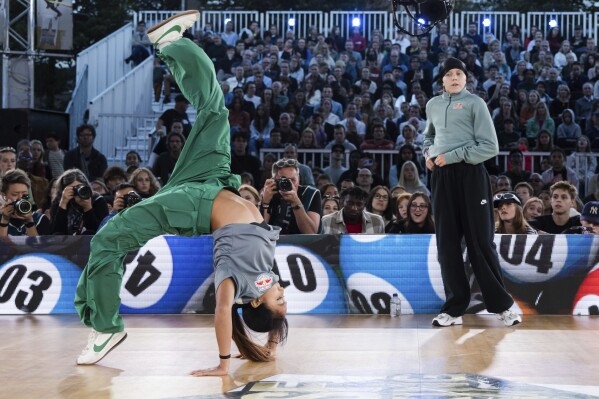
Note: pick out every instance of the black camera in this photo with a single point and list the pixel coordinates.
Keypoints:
(131, 198)
(283, 184)
(23, 206)
(83, 191)
(578, 230)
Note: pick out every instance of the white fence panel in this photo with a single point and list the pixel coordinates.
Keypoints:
(153, 17)
(369, 21)
(566, 21)
(300, 22)
(499, 22)
(240, 19)
(105, 60)
(127, 99)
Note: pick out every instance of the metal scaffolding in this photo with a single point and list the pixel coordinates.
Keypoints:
(18, 41)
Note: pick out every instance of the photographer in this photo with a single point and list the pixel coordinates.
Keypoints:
(125, 196)
(17, 216)
(76, 210)
(296, 209)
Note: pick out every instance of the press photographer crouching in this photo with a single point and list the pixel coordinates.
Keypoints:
(296, 209)
(125, 196)
(18, 218)
(76, 210)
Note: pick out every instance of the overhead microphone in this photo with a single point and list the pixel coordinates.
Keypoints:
(424, 14)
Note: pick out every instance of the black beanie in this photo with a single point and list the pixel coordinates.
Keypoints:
(449, 64)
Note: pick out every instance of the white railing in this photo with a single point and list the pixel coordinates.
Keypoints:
(218, 19)
(369, 21)
(566, 21)
(302, 21)
(240, 19)
(105, 60)
(115, 111)
(386, 158)
(77, 106)
(153, 17)
(500, 21)
(383, 21)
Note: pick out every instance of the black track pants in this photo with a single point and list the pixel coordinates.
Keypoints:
(463, 208)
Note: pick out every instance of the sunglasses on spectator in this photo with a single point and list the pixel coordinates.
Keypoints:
(330, 196)
(507, 197)
(281, 163)
(8, 149)
(419, 206)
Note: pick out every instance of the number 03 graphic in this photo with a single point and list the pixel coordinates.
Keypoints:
(25, 301)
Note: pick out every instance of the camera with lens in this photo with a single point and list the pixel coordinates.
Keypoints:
(283, 184)
(83, 191)
(131, 198)
(23, 206)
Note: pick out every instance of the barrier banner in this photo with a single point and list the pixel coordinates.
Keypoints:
(322, 274)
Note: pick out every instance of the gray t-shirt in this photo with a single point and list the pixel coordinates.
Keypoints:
(245, 253)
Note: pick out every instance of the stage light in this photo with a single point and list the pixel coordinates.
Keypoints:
(553, 23)
(291, 22)
(486, 22)
(227, 20)
(356, 22)
(424, 14)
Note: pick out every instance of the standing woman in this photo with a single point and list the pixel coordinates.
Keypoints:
(459, 138)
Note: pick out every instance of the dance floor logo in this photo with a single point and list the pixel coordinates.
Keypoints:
(398, 386)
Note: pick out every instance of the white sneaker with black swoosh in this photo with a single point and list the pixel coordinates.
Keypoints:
(164, 33)
(98, 346)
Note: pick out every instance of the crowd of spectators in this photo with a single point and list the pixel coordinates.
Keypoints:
(347, 96)
(46, 190)
(344, 97)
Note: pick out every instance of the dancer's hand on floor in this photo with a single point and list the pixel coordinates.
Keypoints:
(215, 371)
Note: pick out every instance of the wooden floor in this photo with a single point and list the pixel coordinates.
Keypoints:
(326, 356)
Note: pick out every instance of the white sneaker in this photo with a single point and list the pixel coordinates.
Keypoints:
(98, 346)
(164, 33)
(510, 318)
(445, 320)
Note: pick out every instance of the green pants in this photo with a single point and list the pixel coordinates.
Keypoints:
(183, 206)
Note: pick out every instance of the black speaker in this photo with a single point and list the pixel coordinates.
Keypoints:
(23, 123)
